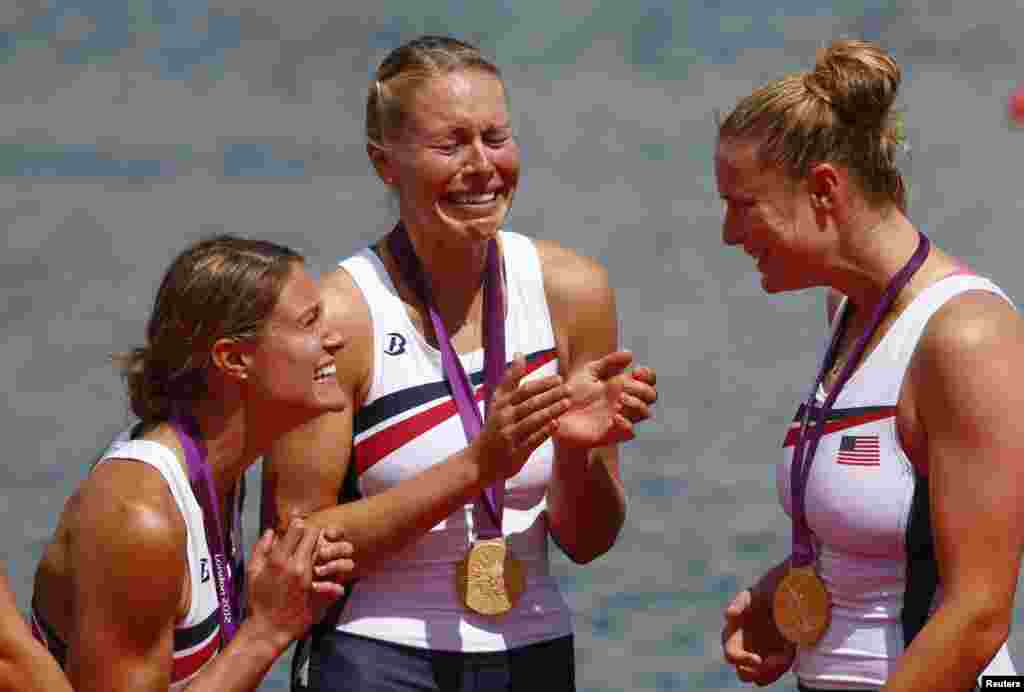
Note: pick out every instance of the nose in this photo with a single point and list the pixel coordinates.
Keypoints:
(332, 340)
(478, 159)
(732, 234)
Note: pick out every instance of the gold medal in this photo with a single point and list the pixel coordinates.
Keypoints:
(801, 606)
(490, 581)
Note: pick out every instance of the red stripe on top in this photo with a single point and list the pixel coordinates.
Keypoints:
(880, 413)
(384, 442)
(186, 666)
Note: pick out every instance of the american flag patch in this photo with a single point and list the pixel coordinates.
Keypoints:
(859, 450)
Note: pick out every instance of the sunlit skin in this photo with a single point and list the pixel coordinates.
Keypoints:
(822, 231)
(454, 164)
(771, 217)
(292, 357)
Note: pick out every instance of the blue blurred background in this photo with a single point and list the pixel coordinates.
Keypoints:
(129, 128)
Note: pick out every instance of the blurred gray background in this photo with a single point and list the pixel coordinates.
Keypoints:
(129, 128)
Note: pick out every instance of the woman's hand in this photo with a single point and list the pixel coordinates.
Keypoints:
(283, 598)
(752, 644)
(520, 418)
(605, 402)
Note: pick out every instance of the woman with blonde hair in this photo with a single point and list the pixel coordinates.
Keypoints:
(901, 470)
(450, 509)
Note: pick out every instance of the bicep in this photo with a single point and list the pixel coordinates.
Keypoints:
(305, 469)
(971, 399)
(127, 592)
(582, 305)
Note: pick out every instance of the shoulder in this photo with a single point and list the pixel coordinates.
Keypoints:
(970, 358)
(969, 321)
(571, 277)
(346, 310)
(125, 509)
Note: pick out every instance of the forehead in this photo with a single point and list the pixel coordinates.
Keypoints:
(298, 294)
(738, 168)
(465, 98)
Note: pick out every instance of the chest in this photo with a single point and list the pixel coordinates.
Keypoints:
(860, 484)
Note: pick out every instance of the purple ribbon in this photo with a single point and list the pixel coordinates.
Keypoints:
(409, 265)
(809, 436)
(229, 596)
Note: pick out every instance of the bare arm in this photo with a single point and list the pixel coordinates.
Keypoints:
(966, 375)
(25, 665)
(128, 584)
(305, 470)
(586, 497)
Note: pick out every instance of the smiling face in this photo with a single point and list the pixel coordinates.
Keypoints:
(770, 216)
(293, 359)
(454, 163)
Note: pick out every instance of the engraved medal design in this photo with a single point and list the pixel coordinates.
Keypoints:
(801, 606)
(490, 580)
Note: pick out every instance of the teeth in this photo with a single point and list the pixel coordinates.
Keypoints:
(473, 199)
(325, 371)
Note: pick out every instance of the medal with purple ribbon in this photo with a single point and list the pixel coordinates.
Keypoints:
(801, 604)
(489, 579)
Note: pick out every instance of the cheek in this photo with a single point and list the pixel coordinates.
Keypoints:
(506, 160)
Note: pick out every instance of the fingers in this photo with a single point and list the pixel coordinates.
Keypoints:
(514, 373)
(333, 558)
(261, 551)
(329, 589)
(330, 549)
(612, 364)
(641, 388)
(646, 375)
(552, 384)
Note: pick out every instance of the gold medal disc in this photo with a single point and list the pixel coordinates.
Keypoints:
(490, 581)
(801, 606)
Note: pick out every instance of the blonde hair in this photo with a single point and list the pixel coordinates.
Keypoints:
(405, 69)
(222, 287)
(839, 112)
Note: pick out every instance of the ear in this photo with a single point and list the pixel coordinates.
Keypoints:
(383, 162)
(823, 184)
(232, 358)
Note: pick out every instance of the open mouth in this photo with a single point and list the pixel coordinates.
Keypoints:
(465, 198)
(324, 372)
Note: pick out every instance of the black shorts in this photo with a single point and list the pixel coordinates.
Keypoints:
(358, 664)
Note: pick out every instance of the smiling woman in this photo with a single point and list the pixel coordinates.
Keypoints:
(141, 586)
(450, 514)
(901, 470)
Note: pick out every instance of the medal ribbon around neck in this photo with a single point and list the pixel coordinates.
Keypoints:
(809, 436)
(493, 497)
(229, 592)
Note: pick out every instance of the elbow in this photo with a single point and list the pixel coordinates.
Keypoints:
(986, 629)
(582, 548)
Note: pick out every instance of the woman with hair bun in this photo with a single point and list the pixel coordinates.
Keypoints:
(141, 588)
(901, 470)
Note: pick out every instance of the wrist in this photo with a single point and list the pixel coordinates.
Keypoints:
(260, 639)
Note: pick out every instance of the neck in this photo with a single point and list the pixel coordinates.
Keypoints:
(232, 442)
(454, 273)
(869, 258)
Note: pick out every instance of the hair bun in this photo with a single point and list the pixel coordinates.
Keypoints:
(858, 79)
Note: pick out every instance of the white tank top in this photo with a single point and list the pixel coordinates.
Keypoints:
(859, 497)
(197, 636)
(409, 423)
